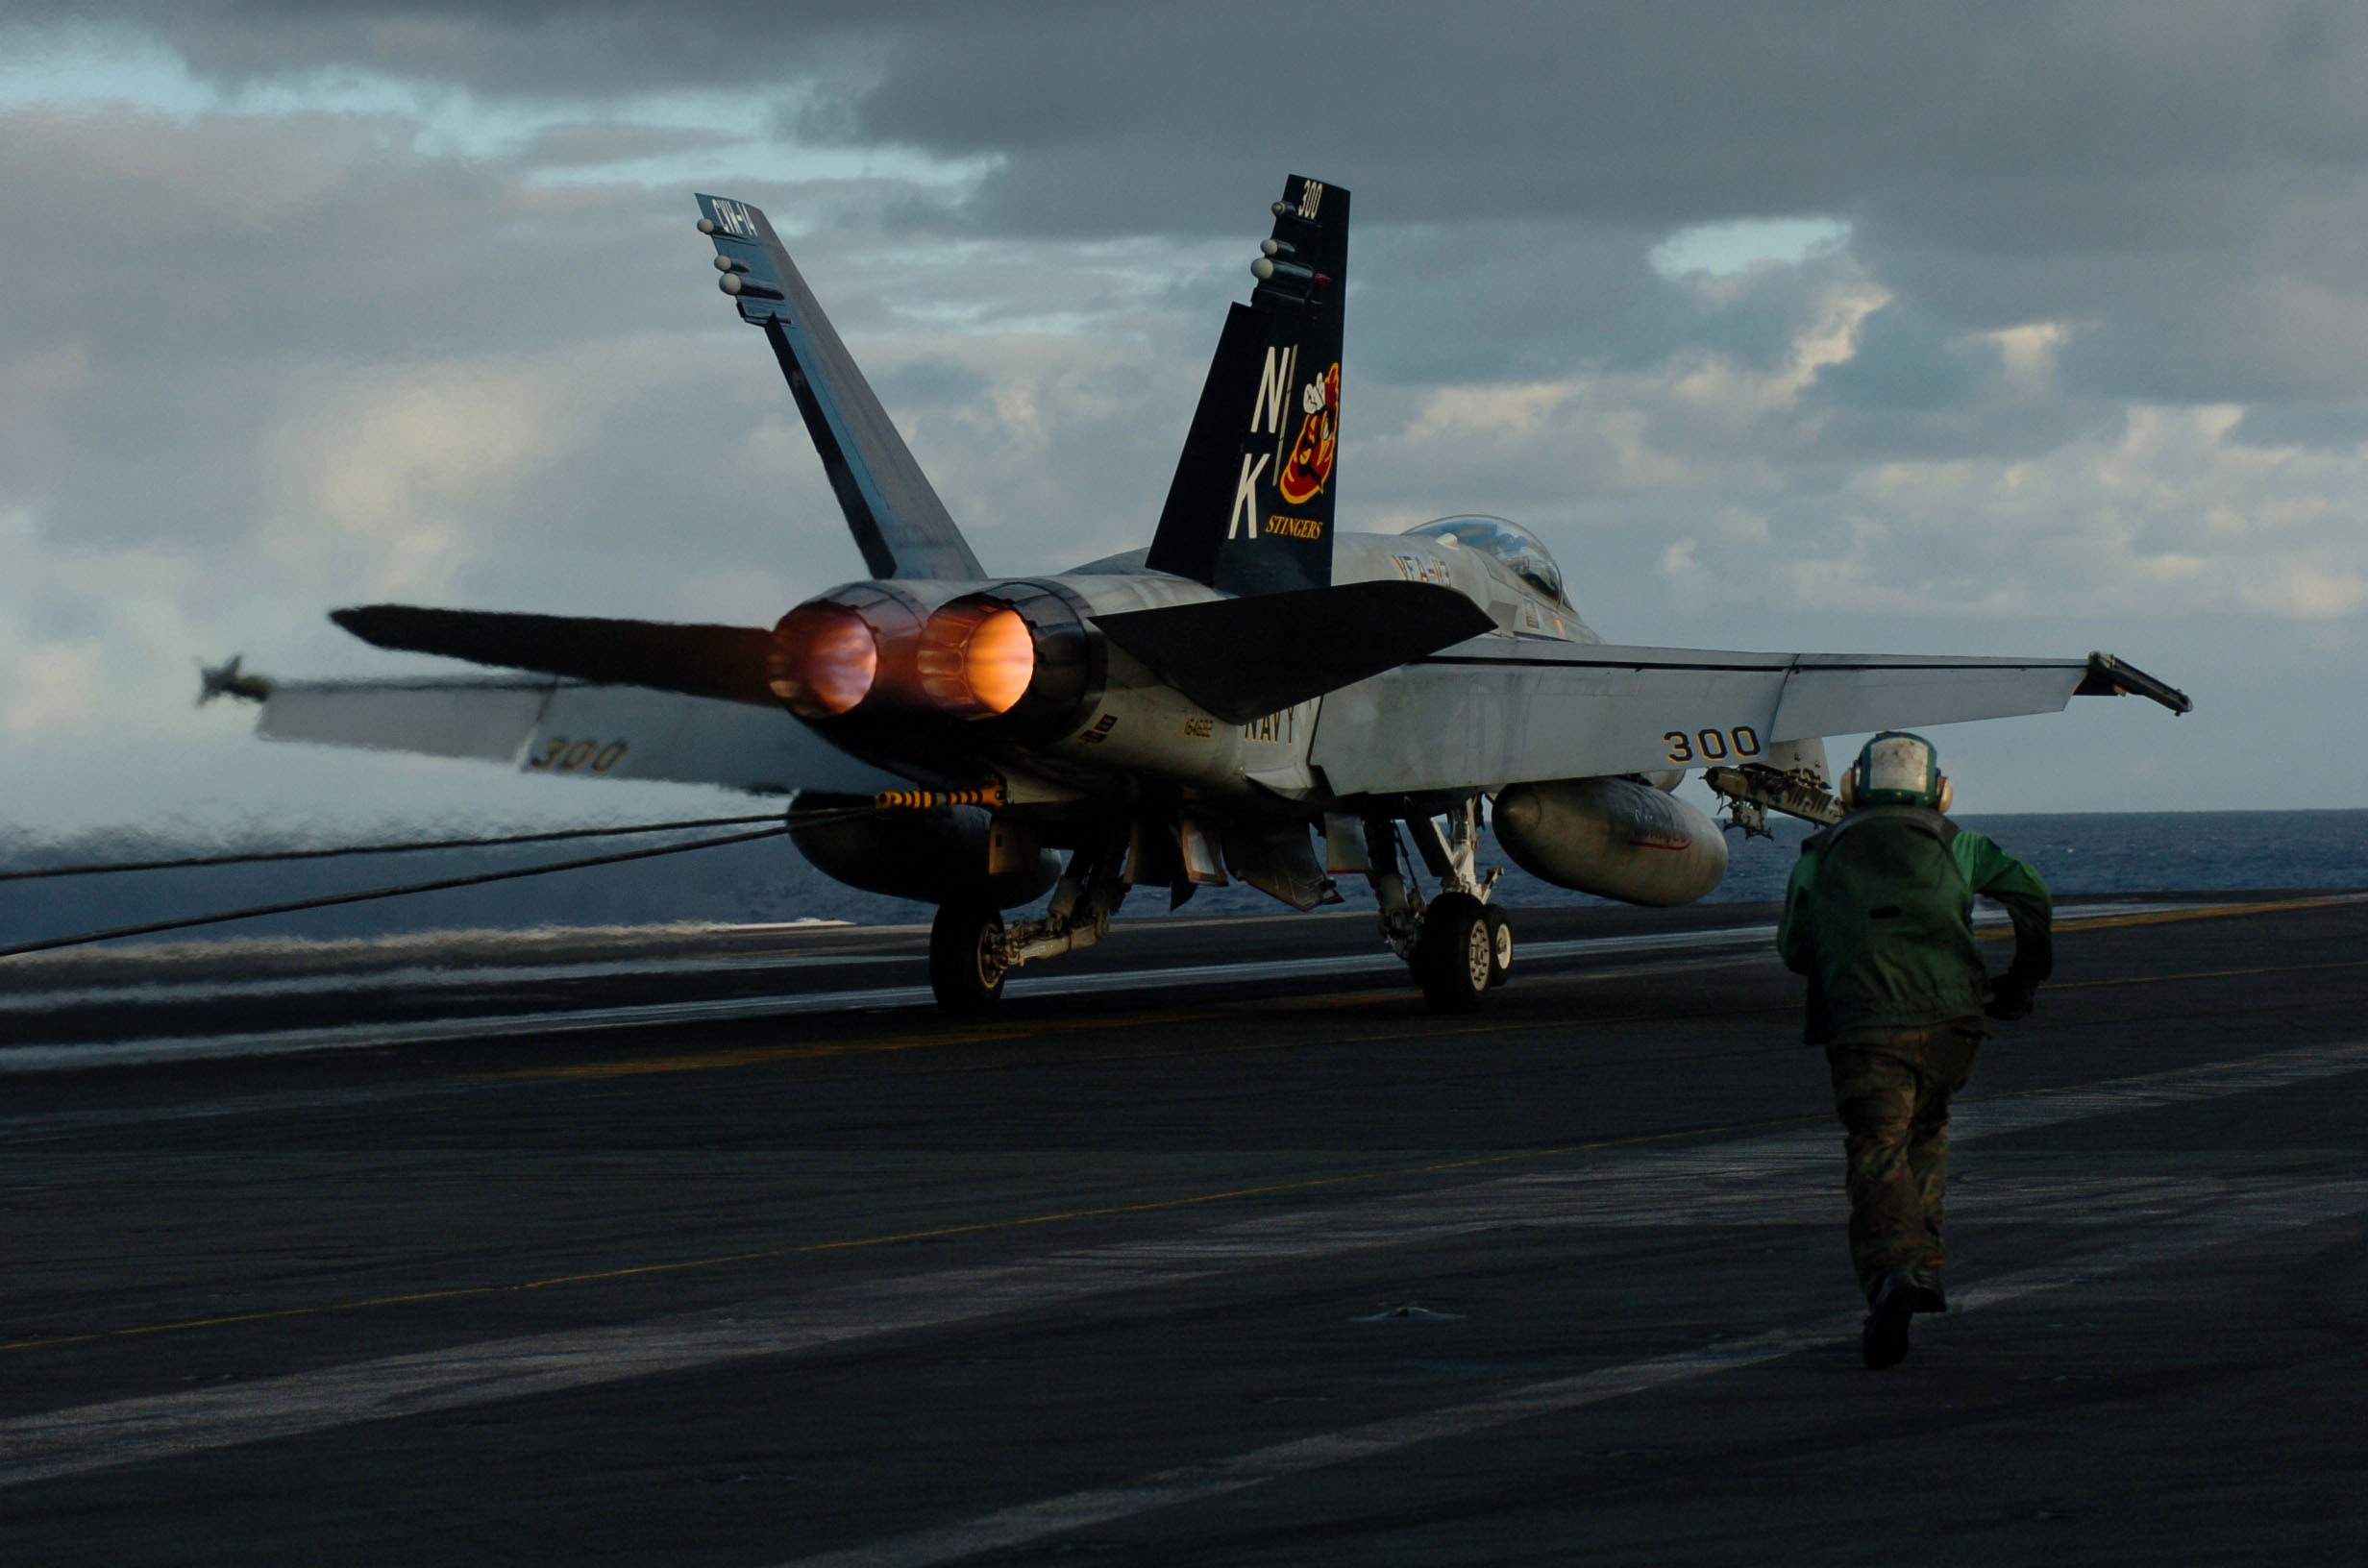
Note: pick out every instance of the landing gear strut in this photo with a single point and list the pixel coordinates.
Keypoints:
(1456, 943)
(971, 949)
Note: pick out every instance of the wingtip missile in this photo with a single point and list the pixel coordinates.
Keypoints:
(229, 679)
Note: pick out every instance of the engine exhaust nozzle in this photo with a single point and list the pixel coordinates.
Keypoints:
(977, 657)
(824, 659)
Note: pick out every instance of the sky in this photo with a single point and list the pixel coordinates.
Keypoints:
(1996, 328)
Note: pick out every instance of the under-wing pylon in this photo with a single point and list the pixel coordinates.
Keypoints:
(1257, 697)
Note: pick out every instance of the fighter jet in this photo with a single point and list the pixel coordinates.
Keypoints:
(1255, 696)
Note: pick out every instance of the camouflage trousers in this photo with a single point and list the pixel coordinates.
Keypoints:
(1892, 1088)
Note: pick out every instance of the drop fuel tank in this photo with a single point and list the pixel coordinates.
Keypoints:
(1611, 837)
(933, 856)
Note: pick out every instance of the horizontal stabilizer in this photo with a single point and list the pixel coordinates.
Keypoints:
(1243, 657)
(703, 661)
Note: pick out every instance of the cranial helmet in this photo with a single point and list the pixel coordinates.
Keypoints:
(1897, 769)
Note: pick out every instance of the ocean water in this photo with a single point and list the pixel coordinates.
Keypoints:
(2170, 852)
(2086, 853)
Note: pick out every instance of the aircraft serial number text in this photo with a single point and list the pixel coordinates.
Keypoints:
(560, 754)
(1713, 745)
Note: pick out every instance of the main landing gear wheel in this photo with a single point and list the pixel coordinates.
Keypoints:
(1500, 945)
(966, 964)
(1455, 954)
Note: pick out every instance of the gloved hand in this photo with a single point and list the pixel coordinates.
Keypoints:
(2010, 996)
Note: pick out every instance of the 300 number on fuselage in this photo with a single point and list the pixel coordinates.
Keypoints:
(1713, 745)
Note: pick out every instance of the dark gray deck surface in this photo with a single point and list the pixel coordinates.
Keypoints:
(1266, 1267)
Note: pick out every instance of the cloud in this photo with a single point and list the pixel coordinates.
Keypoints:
(378, 476)
(2169, 515)
(2022, 321)
(1725, 248)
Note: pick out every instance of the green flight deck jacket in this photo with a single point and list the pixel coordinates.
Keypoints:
(1878, 915)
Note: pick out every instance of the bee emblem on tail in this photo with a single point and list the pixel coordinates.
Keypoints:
(1310, 467)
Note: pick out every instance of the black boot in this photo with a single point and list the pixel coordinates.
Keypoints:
(1929, 1296)
(1883, 1341)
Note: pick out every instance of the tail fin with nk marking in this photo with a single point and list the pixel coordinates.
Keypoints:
(1251, 509)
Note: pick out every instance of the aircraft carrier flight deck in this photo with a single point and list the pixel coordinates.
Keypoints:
(722, 1246)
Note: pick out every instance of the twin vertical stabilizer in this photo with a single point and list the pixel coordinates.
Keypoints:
(898, 524)
(1250, 510)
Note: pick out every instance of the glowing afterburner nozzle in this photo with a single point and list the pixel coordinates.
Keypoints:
(999, 660)
(823, 660)
(976, 658)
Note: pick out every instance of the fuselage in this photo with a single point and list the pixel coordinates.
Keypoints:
(1113, 722)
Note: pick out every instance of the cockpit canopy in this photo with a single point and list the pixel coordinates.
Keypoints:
(1509, 542)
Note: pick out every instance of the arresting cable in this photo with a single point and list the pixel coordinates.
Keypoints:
(260, 856)
(779, 827)
(186, 923)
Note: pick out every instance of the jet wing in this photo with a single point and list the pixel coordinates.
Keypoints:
(1489, 713)
(569, 727)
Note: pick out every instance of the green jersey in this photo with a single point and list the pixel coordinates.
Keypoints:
(1878, 915)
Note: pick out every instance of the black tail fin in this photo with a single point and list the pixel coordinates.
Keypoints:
(899, 522)
(1250, 509)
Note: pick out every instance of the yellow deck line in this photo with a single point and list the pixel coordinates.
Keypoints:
(2208, 911)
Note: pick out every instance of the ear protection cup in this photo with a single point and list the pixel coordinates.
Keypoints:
(1948, 793)
(1848, 793)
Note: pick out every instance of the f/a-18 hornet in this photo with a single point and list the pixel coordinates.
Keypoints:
(1256, 697)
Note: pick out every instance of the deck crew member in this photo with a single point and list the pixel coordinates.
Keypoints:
(1878, 916)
